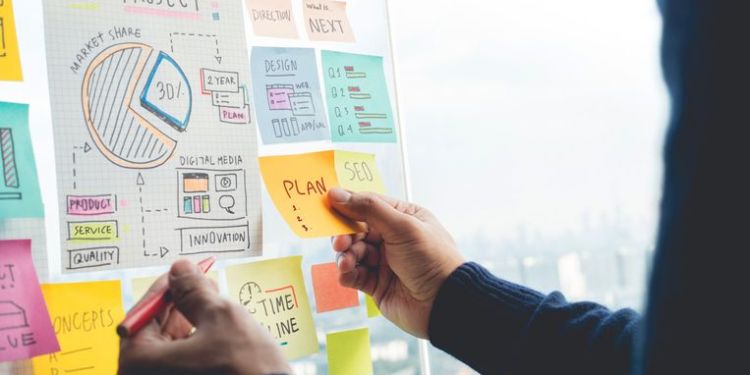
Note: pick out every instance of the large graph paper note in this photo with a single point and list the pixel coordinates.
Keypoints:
(156, 153)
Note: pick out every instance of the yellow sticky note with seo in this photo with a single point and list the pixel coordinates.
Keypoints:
(359, 172)
(349, 352)
(10, 58)
(298, 185)
(273, 291)
(84, 316)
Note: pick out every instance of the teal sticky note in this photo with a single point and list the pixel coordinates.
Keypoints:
(19, 186)
(359, 106)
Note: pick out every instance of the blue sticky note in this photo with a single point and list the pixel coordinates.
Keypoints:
(359, 107)
(287, 95)
(19, 186)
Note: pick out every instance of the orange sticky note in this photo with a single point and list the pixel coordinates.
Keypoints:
(298, 185)
(10, 59)
(272, 18)
(327, 21)
(329, 294)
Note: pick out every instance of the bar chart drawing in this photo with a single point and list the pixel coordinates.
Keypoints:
(10, 168)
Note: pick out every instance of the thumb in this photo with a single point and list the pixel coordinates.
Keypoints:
(378, 212)
(192, 292)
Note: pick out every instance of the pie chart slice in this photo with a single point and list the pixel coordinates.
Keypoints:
(123, 136)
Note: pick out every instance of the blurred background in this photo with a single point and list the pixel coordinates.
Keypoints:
(534, 133)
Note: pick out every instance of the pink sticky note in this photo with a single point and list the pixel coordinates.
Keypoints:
(25, 327)
(329, 294)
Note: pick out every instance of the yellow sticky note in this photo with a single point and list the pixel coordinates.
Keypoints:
(358, 172)
(372, 308)
(84, 316)
(140, 285)
(298, 185)
(10, 59)
(273, 291)
(349, 352)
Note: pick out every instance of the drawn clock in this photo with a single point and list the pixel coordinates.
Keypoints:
(247, 292)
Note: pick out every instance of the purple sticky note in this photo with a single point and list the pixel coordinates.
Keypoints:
(25, 327)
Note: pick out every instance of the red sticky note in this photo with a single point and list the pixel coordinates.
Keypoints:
(329, 294)
(25, 327)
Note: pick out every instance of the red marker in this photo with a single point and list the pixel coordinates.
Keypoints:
(147, 310)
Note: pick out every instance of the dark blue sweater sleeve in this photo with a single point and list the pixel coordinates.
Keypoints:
(498, 327)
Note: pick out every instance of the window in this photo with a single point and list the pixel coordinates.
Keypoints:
(553, 112)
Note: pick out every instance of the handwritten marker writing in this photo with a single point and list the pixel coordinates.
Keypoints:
(147, 309)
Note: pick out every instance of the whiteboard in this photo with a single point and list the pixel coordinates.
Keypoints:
(369, 20)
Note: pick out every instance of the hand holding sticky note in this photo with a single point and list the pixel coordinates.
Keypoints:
(298, 185)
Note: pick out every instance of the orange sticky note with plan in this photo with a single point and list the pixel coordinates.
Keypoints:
(298, 185)
(329, 294)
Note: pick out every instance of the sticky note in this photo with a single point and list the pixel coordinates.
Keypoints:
(287, 95)
(10, 58)
(140, 285)
(359, 106)
(358, 172)
(19, 186)
(273, 18)
(372, 308)
(349, 352)
(330, 295)
(84, 316)
(298, 185)
(25, 328)
(327, 21)
(273, 291)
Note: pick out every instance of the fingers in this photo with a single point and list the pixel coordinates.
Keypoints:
(342, 243)
(359, 254)
(193, 293)
(379, 212)
(361, 278)
(175, 326)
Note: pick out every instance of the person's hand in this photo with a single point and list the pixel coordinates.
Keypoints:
(401, 260)
(226, 339)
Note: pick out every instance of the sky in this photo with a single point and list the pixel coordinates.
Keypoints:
(531, 113)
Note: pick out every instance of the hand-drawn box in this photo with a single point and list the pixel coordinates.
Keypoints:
(12, 316)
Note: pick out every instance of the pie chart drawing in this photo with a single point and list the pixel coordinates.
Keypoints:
(122, 135)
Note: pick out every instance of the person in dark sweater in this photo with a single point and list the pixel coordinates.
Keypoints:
(695, 322)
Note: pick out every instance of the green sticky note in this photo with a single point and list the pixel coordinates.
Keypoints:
(19, 186)
(372, 308)
(349, 352)
(359, 106)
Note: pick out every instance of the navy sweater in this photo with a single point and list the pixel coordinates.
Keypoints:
(696, 320)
